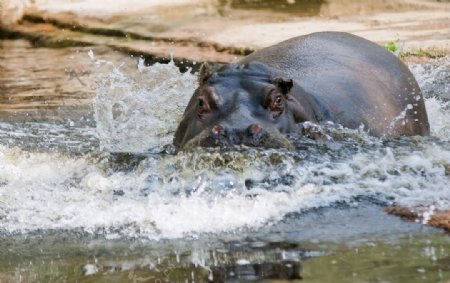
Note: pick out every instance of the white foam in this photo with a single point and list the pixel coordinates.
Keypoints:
(173, 196)
(50, 191)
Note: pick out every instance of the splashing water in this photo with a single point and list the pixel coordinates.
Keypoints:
(140, 113)
(433, 77)
(152, 195)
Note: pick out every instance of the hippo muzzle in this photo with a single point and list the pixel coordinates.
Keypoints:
(253, 136)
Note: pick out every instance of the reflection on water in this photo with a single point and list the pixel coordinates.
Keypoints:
(74, 206)
(47, 84)
(408, 259)
(298, 7)
(334, 8)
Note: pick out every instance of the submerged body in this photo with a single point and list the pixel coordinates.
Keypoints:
(327, 76)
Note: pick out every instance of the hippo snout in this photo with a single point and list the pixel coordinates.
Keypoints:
(253, 135)
(220, 135)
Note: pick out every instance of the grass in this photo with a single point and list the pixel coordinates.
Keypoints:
(392, 45)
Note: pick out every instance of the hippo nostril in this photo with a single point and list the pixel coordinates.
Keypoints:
(254, 129)
(217, 130)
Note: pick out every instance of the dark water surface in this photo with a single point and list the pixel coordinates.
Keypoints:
(89, 191)
(311, 8)
(298, 7)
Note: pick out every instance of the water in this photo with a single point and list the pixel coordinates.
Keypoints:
(100, 196)
(298, 7)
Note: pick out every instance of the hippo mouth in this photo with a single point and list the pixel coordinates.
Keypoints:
(253, 136)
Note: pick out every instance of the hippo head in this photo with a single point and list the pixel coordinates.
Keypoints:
(240, 104)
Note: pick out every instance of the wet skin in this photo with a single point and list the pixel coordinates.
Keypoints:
(327, 76)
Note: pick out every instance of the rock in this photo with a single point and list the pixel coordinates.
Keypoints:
(11, 11)
(438, 218)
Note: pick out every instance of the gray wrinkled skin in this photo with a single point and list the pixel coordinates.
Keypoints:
(326, 76)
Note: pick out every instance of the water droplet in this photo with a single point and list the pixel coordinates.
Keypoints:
(91, 54)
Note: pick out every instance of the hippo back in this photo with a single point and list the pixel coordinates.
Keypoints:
(359, 81)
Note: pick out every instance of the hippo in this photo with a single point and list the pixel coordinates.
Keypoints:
(320, 77)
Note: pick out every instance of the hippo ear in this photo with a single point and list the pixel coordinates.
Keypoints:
(284, 85)
(206, 70)
(204, 73)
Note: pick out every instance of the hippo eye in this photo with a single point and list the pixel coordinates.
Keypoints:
(203, 107)
(278, 100)
(274, 103)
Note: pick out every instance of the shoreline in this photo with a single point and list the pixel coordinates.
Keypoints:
(200, 31)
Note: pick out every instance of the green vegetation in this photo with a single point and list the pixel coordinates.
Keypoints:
(392, 45)
(432, 53)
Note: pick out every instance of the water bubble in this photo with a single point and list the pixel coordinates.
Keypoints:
(91, 54)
